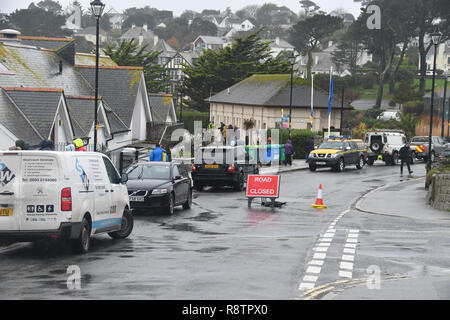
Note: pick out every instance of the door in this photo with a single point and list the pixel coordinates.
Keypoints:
(41, 192)
(348, 153)
(186, 181)
(180, 187)
(117, 193)
(10, 199)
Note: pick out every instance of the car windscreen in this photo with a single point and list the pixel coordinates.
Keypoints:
(332, 145)
(419, 139)
(149, 172)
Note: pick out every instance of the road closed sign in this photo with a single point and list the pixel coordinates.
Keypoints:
(263, 186)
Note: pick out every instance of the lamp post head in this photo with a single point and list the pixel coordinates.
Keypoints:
(436, 36)
(97, 8)
(292, 58)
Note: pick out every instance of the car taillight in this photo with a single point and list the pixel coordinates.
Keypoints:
(231, 168)
(193, 168)
(66, 199)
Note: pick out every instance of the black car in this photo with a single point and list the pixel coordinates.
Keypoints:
(159, 185)
(222, 166)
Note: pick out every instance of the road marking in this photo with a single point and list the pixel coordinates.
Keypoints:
(345, 274)
(350, 245)
(321, 244)
(353, 235)
(320, 249)
(316, 262)
(326, 240)
(318, 256)
(309, 278)
(328, 235)
(346, 265)
(352, 240)
(348, 257)
(314, 270)
(352, 251)
(306, 286)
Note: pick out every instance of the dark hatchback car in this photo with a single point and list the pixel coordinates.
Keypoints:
(222, 166)
(159, 185)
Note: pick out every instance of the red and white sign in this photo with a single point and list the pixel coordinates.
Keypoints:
(263, 186)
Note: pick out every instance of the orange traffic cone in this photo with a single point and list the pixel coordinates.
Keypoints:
(319, 201)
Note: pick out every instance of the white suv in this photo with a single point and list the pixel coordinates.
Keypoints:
(384, 145)
(67, 195)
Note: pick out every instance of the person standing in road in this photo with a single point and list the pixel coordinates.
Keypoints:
(405, 156)
(309, 146)
(288, 153)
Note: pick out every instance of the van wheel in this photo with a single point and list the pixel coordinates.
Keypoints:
(127, 226)
(370, 161)
(82, 243)
(188, 203)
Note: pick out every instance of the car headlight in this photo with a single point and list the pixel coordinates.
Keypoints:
(334, 155)
(160, 191)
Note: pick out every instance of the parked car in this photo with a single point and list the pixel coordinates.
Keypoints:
(222, 166)
(388, 115)
(420, 146)
(67, 195)
(384, 144)
(336, 154)
(159, 185)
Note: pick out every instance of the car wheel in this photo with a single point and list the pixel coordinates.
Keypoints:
(312, 167)
(341, 165)
(188, 203)
(171, 206)
(360, 164)
(239, 186)
(127, 226)
(81, 244)
(376, 146)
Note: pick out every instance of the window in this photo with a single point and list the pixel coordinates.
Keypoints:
(175, 171)
(183, 171)
(113, 176)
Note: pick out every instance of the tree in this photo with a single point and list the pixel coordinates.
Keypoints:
(309, 7)
(36, 21)
(88, 20)
(50, 6)
(129, 53)
(216, 71)
(347, 55)
(307, 34)
(203, 27)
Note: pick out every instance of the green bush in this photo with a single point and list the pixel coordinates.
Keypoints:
(190, 116)
(298, 139)
(415, 107)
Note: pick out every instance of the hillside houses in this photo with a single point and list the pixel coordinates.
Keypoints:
(45, 94)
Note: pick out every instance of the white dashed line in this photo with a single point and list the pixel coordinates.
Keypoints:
(319, 256)
(314, 270)
(345, 274)
(346, 266)
(352, 251)
(316, 262)
(348, 257)
(308, 278)
(306, 286)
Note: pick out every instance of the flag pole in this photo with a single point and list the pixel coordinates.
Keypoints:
(330, 101)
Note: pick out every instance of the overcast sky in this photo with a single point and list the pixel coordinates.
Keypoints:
(178, 6)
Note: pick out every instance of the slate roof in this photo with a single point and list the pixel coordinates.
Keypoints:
(117, 85)
(212, 40)
(81, 110)
(160, 106)
(15, 122)
(88, 59)
(45, 42)
(136, 32)
(273, 91)
(39, 106)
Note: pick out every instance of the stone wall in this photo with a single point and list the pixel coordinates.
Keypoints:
(439, 192)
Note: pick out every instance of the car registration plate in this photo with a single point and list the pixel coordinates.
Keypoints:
(321, 162)
(6, 212)
(136, 199)
(211, 166)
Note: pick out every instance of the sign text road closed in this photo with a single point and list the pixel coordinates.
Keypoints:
(263, 186)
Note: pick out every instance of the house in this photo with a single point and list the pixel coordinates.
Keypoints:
(264, 98)
(88, 59)
(278, 45)
(115, 18)
(33, 115)
(90, 34)
(442, 58)
(175, 66)
(208, 43)
(142, 35)
(124, 110)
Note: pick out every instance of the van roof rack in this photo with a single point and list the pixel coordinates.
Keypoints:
(389, 130)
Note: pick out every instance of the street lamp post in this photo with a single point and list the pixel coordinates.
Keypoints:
(436, 38)
(342, 107)
(181, 97)
(97, 9)
(443, 107)
(292, 60)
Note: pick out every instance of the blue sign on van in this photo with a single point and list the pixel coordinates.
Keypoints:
(6, 176)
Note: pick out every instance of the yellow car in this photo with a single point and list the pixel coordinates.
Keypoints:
(337, 154)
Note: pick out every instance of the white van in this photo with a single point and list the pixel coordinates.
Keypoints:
(67, 195)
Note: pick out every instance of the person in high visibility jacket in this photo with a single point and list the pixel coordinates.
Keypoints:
(211, 125)
(79, 145)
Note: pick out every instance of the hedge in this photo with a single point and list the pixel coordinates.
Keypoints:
(298, 139)
(190, 116)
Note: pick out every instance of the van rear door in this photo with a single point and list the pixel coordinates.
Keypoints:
(10, 197)
(40, 192)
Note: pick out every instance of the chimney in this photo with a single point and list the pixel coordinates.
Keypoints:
(141, 39)
(60, 66)
(277, 41)
(133, 26)
(145, 26)
(316, 59)
(155, 40)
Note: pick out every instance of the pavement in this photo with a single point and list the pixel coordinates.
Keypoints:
(298, 164)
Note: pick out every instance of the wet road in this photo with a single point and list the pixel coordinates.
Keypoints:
(220, 249)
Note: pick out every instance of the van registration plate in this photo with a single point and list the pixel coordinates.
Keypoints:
(211, 166)
(6, 212)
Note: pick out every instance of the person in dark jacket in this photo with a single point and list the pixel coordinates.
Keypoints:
(46, 145)
(309, 146)
(288, 153)
(405, 156)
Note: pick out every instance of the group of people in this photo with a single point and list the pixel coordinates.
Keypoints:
(47, 144)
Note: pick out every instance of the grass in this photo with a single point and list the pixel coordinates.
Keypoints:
(371, 94)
